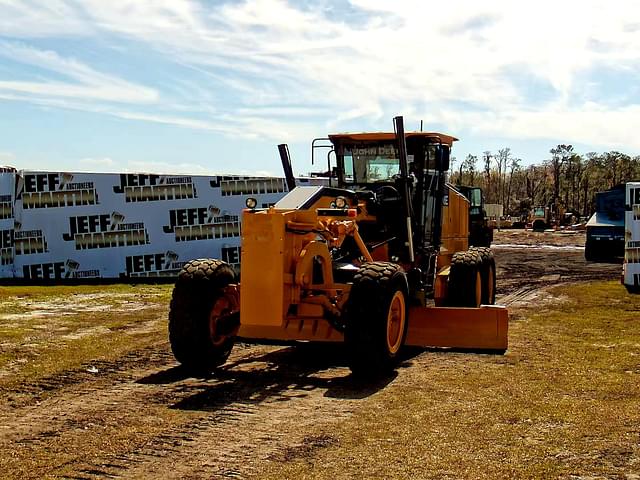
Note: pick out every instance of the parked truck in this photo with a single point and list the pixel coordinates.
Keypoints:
(605, 229)
(631, 264)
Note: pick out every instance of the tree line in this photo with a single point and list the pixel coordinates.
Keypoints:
(566, 182)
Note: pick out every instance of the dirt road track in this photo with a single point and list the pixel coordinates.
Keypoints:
(528, 261)
(142, 418)
(258, 408)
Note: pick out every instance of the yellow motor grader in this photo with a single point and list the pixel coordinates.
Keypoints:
(378, 261)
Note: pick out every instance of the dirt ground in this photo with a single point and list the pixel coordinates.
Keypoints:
(141, 417)
(527, 261)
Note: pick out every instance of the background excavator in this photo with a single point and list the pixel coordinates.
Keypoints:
(378, 261)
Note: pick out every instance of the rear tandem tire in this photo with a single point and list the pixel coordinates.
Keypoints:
(465, 282)
(198, 304)
(539, 225)
(591, 251)
(487, 274)
(377, 313)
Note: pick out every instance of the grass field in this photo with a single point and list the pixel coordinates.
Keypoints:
(47, 330)
(563, 403)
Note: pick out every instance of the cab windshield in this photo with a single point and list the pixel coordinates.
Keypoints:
(370, 163)
(475, 197)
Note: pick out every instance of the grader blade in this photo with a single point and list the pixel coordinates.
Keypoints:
(483, 328)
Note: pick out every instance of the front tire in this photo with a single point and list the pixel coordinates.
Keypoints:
(377, 313)
(203, 317)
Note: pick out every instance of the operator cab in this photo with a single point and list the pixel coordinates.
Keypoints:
(369, 159)
(369, 164)
(474, 195)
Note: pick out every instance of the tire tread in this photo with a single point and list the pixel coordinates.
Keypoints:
(199, 285)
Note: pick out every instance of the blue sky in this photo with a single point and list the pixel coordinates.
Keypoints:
(203, 87)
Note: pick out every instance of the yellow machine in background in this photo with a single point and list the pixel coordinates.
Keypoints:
(539, 218)
(378, 261)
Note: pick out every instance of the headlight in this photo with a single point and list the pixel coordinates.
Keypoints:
(251, 203)
(341, 202)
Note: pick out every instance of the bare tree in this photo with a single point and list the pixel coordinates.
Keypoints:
(501, 160)
(486, 158)
(469, 164)
(514, 167)
(559, 158)
(566, 180)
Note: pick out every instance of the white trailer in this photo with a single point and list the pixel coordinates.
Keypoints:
(631, 265)
(494, 210)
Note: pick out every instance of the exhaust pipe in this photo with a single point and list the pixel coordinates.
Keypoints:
(398, 126)
(285, 158)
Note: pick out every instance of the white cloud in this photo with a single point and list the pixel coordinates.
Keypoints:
(290, 73)
(258, 173)
(7, 158)
(26, 19)
(87, 83)
(142, 166)
(110, 165)
(102, 163)
(588, 126)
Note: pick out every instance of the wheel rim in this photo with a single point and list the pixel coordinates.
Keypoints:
(478, 299)
(396, 319)
(220, 309)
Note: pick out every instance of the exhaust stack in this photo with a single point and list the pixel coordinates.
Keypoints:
(285, 158)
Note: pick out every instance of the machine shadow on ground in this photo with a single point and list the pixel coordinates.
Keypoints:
(281, 375)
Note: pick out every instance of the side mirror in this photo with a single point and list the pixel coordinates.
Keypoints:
(443, 158)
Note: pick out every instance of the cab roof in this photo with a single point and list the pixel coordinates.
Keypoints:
(386, 136)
